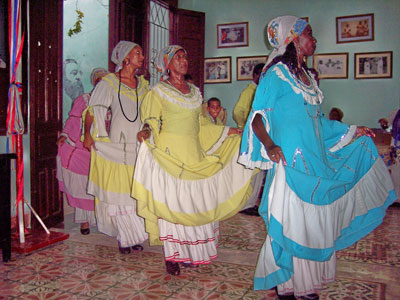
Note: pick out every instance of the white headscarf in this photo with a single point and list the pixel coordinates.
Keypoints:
(120, 52)
(281, 31)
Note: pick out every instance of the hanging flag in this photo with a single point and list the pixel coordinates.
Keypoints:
(15, 122)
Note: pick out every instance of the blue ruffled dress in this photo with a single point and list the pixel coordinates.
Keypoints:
(334, 190)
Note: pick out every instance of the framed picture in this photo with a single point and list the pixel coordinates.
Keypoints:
(373, 65)
(217, 70)
(246, 64)
(358, 28)
(331, 65)
(233, 35)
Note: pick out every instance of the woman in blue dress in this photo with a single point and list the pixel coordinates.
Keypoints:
(326, 185)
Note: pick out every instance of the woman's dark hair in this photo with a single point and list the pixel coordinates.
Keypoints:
(289, 58)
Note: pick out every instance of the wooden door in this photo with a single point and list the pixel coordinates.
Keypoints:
(45, 69)
(187, 30)
(127, 22)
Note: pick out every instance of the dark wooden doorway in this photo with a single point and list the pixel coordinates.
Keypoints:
(45, 90)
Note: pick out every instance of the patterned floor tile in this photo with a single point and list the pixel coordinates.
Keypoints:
(79, 270)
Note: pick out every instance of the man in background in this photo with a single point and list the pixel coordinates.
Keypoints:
(240, 114)
(243, 106)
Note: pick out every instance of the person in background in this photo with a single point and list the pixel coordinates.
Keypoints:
(240, 114)
(326, 186)
(222, 115)
(73, 161)
(213, 110)
(113, 153)
(384, 124)
(188, 179)
(243, 106)
(336, 114)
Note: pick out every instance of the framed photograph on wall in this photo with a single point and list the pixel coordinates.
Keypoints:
(246, 64)
(357, 28)
(331, 65)
(373, 65)
(217, 70)
(233, 35)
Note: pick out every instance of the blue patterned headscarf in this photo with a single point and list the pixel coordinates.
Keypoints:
(164, 57)
(281, 31)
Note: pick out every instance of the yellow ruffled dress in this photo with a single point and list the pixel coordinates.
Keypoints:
(187, 178)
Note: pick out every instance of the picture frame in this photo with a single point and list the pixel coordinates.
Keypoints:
(373, 65)
(246, 64)
(331, 65)
(218, 70)
(356, 28)
(233, 35)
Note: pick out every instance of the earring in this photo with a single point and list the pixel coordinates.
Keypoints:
(127, 61)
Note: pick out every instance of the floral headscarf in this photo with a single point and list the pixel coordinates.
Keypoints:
(164, 57)
(96, 74)
(120, 52)
(281, 31)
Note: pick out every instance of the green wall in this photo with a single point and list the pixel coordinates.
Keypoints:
(362, 101)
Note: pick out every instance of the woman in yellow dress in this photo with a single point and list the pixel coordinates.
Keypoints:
(113, 154)
(187, 178)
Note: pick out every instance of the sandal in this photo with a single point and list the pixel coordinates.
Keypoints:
(137, 248)
(310, 297)
(124, 250)
(172, 268)
(284, 297)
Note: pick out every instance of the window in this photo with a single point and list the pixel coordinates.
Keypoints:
(159, 34)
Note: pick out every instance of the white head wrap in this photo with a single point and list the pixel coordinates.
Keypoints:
(281, 31)
(120, 52)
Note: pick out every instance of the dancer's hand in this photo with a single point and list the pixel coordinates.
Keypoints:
(275, 154)
(235, 131)
(362, 130)
(88, 142)
(144, 134)
(61, 141)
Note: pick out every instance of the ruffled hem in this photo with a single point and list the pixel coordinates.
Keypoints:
(121, 222)
(187, 202)
(316, 231)
(189, 244)
(83, 216)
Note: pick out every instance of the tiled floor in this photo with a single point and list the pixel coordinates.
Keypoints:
(90, 267)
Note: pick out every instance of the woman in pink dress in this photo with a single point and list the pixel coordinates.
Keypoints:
(73, 161)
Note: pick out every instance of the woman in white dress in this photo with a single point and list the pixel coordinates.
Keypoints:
(113, 154)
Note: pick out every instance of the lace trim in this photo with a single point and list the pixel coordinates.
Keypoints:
(191, 101)
(312, 94)
(245, 157)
